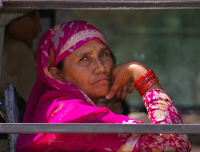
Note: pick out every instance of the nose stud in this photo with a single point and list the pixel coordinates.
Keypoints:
(94, 48)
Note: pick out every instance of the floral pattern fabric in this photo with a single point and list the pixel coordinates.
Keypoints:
(161, 110)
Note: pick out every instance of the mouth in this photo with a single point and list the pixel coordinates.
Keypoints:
(103, 80)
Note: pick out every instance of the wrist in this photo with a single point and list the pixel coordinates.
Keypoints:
(137, 69)
(145, 82)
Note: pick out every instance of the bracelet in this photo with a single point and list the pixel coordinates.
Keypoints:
(145, 82)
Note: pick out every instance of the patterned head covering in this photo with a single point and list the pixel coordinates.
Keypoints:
(59, 42)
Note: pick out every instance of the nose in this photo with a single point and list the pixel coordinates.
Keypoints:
(99, 67)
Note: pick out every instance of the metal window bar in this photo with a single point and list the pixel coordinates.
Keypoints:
(100, 4)
(99, 128)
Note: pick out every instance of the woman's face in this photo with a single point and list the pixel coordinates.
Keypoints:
(89, 69)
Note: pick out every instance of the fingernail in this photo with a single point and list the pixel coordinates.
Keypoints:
(108, 96)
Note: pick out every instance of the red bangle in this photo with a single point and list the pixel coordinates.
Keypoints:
(145, 82)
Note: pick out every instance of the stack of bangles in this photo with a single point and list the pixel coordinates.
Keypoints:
(145, 82)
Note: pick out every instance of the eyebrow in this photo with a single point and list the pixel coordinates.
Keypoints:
(85, 53)
(90, 52)
(104, 49)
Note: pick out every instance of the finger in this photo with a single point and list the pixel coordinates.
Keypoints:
(124, 91)
(112, 91)
(131, 86)
(118, 94)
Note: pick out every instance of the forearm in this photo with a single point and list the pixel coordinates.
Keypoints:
(160, 108)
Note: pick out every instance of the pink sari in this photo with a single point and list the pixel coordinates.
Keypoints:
(57, 101)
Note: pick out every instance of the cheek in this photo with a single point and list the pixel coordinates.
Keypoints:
(76, 75)
(109, 65)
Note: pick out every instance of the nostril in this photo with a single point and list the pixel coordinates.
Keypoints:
(100, 69)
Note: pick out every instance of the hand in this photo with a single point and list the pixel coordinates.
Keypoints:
(123, 78)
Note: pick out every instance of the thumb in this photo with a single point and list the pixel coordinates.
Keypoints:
(112, 91)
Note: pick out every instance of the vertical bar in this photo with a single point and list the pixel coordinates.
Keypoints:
(11, 114)
(1, 4)
(1, 49)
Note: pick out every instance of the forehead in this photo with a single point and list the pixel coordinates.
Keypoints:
(94, 46)
(90, 45)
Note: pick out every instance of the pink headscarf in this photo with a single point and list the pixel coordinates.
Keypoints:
(58, 101)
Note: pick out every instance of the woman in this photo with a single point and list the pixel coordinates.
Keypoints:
(74, 68)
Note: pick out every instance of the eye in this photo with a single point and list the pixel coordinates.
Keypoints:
(83, 59)
(104, 54)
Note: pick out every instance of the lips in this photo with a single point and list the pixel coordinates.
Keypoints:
(104, 79)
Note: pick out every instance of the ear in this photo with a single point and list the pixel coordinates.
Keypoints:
(57, 74)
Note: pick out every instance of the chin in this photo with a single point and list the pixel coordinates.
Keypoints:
(100, 92)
